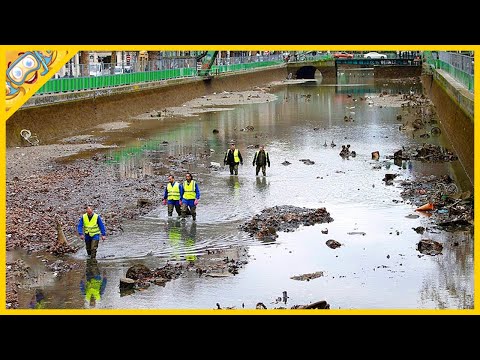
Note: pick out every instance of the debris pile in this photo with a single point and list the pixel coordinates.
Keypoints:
(284, 218)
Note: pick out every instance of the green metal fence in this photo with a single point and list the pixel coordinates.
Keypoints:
(63, 85)
(459, 75)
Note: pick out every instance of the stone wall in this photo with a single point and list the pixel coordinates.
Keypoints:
(454, 121)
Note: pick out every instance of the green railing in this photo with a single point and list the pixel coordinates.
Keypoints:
(459, 75)
(63, 85)
(53, 86)
(218, 69)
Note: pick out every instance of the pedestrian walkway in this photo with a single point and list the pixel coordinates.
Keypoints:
(461, 88)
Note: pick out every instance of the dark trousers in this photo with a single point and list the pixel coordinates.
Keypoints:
(171, 206)
(233, 168)
(193, 210)
(264, 169)
(91, 245)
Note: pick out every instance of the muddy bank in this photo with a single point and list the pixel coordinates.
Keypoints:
(213, 102)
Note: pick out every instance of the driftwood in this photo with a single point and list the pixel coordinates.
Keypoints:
(61, 239)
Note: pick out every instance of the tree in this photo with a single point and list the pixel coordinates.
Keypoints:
(113, 61)
(84, 62)
(154, 58)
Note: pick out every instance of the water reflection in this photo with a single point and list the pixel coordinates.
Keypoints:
(38, 300)
(261, 183)
(93, 284)
(189, 236)
(182, 238)
(233, 183)
(452, 287)
(174, 234)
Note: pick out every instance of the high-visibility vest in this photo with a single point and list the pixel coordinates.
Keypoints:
(90, 226)
(235, 155)
(173, 191)
(93, 287)
(189, 190)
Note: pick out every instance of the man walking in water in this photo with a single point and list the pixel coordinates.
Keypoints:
(89, 228)
(172, 196)
(261, 159)
(190, 194)
(233, 157)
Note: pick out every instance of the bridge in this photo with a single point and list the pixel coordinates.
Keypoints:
(383, 68)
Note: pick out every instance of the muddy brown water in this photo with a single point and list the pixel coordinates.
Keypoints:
(357, 275)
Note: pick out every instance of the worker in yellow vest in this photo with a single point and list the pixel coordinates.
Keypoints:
(233, 157)
(89, 228)
(93, 285)
(190, 194)
(172, 196)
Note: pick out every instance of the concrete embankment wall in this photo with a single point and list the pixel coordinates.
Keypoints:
(387, 71)
(455, 111)
(56, 121)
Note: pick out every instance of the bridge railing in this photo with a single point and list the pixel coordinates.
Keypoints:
(81, 78)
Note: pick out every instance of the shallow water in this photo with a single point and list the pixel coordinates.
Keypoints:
(357, 275)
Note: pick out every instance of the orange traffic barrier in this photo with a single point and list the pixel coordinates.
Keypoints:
(426, 207)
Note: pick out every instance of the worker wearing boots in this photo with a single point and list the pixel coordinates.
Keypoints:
(89, 228)
(190, 194)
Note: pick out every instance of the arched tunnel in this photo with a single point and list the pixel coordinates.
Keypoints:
(306, 72)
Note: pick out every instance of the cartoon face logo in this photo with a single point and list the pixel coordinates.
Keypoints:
(24, 69)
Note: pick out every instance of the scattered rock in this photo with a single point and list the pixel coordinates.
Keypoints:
(308, 277)
(333, 244)
(419, 229)
(144, 202)
(322, 304)
(429, 247)
(389, 177)
(126, 284)
(260, 306)
(286, 163)
(138, 271)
